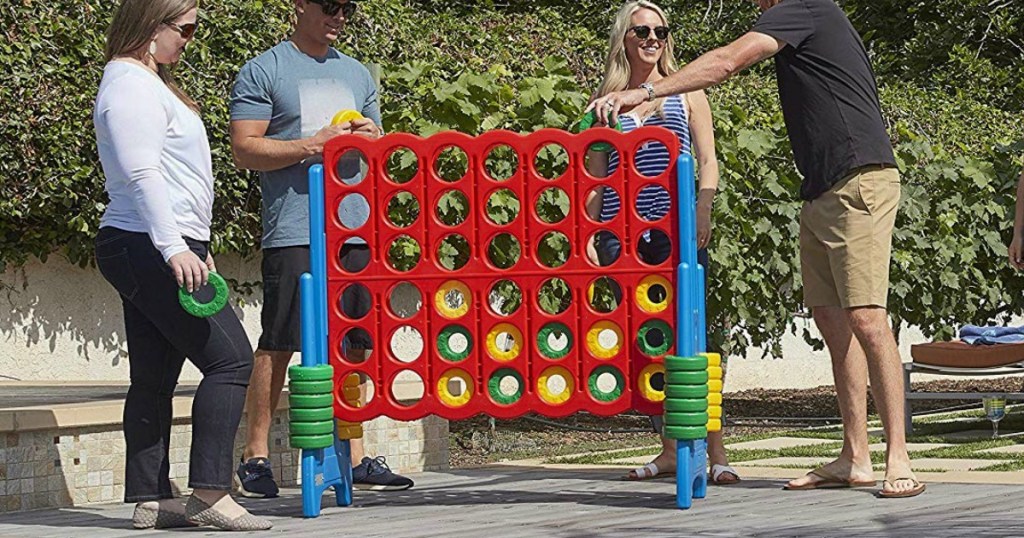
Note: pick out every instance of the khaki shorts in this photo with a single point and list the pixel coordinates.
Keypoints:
(846, 240)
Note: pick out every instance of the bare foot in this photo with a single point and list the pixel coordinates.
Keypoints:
(666, 463)
(900, 480)
(839, 469)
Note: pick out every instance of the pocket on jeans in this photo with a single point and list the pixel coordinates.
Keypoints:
(117, 269)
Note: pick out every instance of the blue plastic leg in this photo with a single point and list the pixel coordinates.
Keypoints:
(343, 487)
(691, 472)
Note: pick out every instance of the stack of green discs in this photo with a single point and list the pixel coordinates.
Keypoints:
(311, 406)
(686, 398)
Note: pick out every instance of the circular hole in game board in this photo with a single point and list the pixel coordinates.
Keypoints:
(402, 165)
(597, 158)
(606, 248)
(451, 164)
(554, 249)
(452, 208)
(407, 388)
(504, 251)
(351, 167)
(658, 381)
(453, 252)
(354, 255)
(607, 382)
(404, 253)
(602, 204)
(657, 294)
(654, 337)
(655, 158)
(353, 211)
(403, 209)
(407, 344)
(505, 297)
(554, 296)
(552, 205)
(551, 161)
(358, 389)
(502, 162)
(503, 206)
(406, 300)
(604, 295)
(356, 345)
(653, 247)
(356, 301)
(653, 203)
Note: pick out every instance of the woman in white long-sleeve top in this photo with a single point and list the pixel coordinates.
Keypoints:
(154, 237)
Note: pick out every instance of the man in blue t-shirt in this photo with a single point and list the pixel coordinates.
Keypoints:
(851, 192)
(281, 111)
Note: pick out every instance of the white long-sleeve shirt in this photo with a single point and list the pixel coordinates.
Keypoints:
(156, 159)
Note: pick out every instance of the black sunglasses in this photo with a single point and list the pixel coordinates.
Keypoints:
(186, 31)
(643, 32)
(331, 8)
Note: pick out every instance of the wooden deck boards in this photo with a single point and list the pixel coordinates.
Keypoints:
(510, 502)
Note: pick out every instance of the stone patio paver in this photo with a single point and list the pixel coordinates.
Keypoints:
(963, 464)
(785, 462)
(1010, 449)
(776, 443)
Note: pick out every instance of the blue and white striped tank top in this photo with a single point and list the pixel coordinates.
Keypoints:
(652, 202)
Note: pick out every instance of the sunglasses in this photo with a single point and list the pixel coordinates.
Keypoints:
(643, 32)
(186, 31)
(331, 8)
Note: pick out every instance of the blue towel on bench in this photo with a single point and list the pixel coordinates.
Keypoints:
(975, 335)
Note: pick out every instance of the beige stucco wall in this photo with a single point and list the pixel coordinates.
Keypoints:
(62, 322)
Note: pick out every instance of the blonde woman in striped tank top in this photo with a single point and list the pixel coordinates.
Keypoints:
(640, 52)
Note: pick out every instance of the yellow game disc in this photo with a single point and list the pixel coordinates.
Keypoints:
(714, 372)
(714, 425)
(599, 339)
(715, 398)
(715, 411)
(444, 392)
(647, 389)
(714, 386)
(346, 115)
(714, 359)
(452, 299)
(644, 301)
(504, 351)
(545, 392)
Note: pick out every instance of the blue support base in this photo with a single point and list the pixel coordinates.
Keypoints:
(322, 469)
(691, 472)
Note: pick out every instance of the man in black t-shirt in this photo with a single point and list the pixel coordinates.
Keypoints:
(851, 192)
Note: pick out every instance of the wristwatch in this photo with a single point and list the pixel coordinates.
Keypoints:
(650, 90)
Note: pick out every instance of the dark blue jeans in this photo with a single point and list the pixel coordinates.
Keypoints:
(160, 336)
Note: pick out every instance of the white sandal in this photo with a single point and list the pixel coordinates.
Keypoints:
(646, 472)
(718, 470)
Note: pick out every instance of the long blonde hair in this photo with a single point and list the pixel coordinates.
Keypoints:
(616, 67)
(133, 27)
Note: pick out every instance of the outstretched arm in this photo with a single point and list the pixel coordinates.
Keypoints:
(709, 70)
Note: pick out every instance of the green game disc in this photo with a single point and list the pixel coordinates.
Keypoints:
(312, 428)
(311, 441)
(600, 395)
(205, 310)
(686, 405)
(587, 122)
(444, 343)
(310, 401)
(687, 378)
(666, 339)
(494, 386)
(320, 372)
(545, 334)
(689, 364)
(686, 391)
(686, 419)
(686, 433)
(311, 387)
(311, 415)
